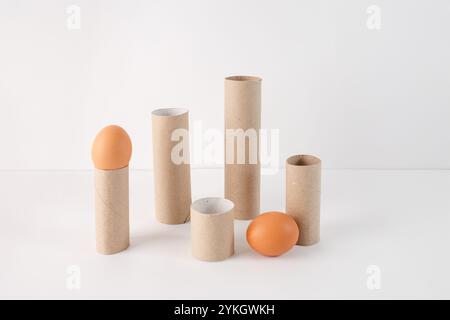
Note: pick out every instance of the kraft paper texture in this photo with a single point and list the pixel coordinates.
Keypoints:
(303, 176)
(243, 111)
(111, 210)
(212, 231)
(172, 182)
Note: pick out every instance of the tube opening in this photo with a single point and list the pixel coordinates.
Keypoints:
(243, 78)
(169, 112)
(303, 160)
(213, 205)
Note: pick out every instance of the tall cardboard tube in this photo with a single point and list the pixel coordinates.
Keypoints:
(242, 163)
(111, 210)
(212, 229)
(303, 180)
(172, 173)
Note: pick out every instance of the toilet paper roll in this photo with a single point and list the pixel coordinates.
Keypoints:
(111, 210)
(303, 196)
(172, 176)
(212, 229)
(242, 165)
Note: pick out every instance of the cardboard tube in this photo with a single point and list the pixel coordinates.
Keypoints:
(111, 210)
(303, 196)
(243, 113)
(172, 173)
(212, 229)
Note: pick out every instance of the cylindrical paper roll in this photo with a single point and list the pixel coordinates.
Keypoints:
(111, 210)
(212, 229)
(242, 125)
(172, 173)
(303, 196)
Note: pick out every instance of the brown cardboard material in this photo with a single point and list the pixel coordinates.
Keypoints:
(212, 229)
(303, 180)
(243, 111)
(111, 210)
(172, 181)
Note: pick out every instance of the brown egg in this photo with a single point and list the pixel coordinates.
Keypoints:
(111, 148)
(272, 233)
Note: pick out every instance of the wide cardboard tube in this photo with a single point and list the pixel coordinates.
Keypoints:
(172, 180)
(111, 210)
(303, 180)
(243, 112)
(212, 229)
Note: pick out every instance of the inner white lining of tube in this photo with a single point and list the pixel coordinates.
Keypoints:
(303, 160)
(243, 78)
(212, 205)
(169, 112)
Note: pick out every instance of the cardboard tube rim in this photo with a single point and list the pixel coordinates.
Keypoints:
(128, 165)
(243, 78)
(212, 206)
(303, 160)
(169, 112)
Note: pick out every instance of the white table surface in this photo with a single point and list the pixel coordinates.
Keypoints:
(396, 220)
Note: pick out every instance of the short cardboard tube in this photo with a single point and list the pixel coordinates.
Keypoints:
(303, 185)
(243, 123)
(112, 210)
(172, 173)
(212, 229)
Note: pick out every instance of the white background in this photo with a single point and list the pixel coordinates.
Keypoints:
(359, 98)
(373, 104)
